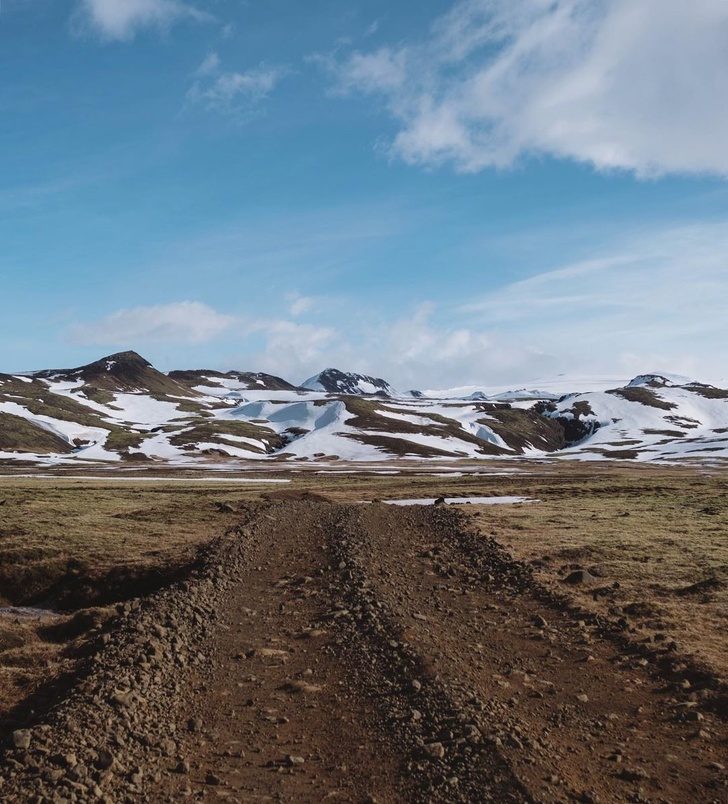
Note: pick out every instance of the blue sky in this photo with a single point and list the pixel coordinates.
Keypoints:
(474, 191)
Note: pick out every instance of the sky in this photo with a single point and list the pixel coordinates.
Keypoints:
(438, 193)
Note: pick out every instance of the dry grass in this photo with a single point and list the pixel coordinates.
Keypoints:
(73, 544)
(653, 531)
(655, 534)
(63, 532)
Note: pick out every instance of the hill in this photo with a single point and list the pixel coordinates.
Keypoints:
(121, 408)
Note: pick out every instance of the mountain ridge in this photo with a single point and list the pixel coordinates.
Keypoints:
(121, 408)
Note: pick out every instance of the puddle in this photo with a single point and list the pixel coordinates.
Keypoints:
(464, 501)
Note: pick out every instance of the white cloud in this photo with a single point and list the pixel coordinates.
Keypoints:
(298, 305)
(210, 65)
(291, 348)
(178, 322)
(231, 91)
(655, 301)
(619, 84)
(121, 20)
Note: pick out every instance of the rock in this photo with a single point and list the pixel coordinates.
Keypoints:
(212, 779)
(194, 724)
(183, 766)
(294, 760)
(582, 697)
(21, 739)
(104, 759)
(539, 621)
(122, 699)
(224, 508)
(580, 577)
(633, 774)
(435, 750)
(301, 686)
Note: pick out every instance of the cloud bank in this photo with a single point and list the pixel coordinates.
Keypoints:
(183, 322)
(636, 85)
(654, 301)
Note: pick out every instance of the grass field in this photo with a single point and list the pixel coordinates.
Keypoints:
(654, 539)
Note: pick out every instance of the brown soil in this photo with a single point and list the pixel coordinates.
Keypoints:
(324, 651)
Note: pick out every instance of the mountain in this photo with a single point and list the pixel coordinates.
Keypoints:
(121, 408)
(658, 380)
(651, 418)
(333, 381)
(125, 372)
(217, 383)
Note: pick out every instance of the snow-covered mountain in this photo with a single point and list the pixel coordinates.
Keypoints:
(230, 383)
(650, 418)
(334, 381)
(121, 408)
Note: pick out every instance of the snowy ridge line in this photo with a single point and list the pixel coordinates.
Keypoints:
(120, 410)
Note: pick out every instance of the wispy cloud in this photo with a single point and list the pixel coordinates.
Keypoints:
(121, 20)
(618, 84)
(232, 92)
(298, 304)
(178, 322)
(654, 301)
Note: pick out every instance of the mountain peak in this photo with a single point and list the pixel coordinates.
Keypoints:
(124, 371)
(129, 356)
(335, 381)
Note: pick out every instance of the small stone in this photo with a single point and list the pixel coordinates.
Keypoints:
(539, 621)
(194, 724)
(104, 759)
(633, 774)
(212, 779)
(21, 739)
(122, 699)
(435, 750)
(294, 760)
(582, 697)
(580, 578)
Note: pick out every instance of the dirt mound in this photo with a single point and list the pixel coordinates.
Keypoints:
(706, 586)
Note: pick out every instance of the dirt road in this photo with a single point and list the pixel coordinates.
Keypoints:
(371, 653)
